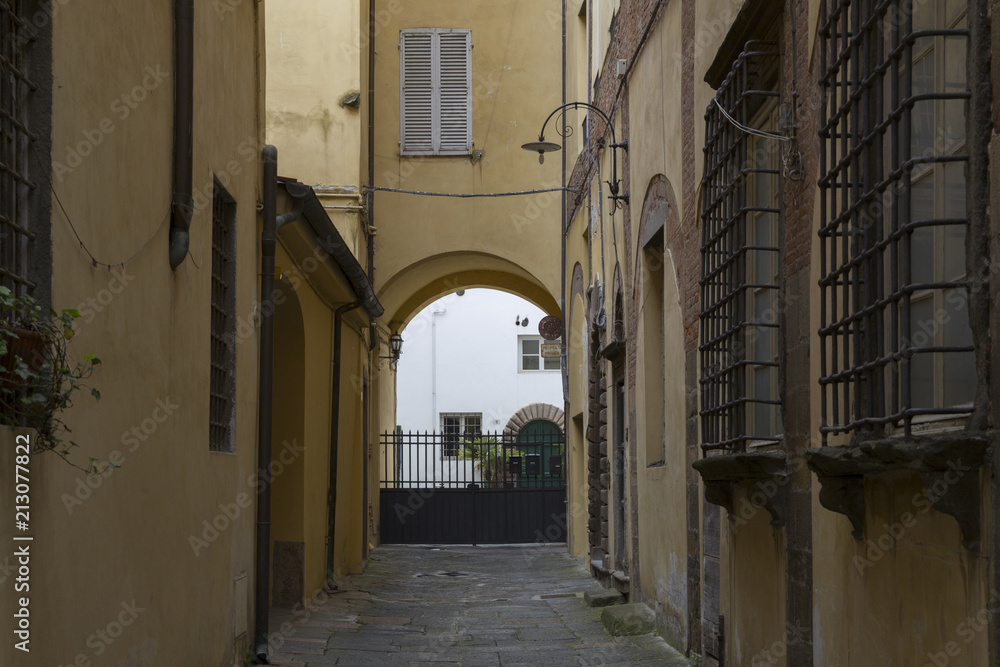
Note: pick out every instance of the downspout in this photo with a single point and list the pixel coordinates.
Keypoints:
(434, 386)
(181, 199)
(331, 501)
(563, 225)
(371, 139)
(268, 243)
(370, 213)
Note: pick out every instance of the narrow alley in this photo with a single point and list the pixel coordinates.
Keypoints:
(461, 606)
(686, 312)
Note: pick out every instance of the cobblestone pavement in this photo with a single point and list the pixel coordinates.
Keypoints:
(509, 606)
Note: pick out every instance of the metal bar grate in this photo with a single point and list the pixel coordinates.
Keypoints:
(222, 384)
(730, 251)
(15, 138)
(895, 340)
(489, 461)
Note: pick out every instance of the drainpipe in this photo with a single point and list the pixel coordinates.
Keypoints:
(331, 501)
(181, 200)
(268, 243)
(563, 224)
(434, 385)
(371, 139)
(370, 213)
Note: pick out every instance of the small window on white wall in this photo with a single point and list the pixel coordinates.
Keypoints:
(534, 354)
(435, 91)
(458, 428)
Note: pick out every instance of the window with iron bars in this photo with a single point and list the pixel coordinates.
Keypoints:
(896, 342)
(457, 429)
(222, 390)
(15, 144)
(741, 222)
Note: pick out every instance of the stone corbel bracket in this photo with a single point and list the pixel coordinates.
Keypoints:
(947, 463)
(765, 473)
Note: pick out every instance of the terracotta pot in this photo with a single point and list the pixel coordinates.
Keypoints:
(30, 347)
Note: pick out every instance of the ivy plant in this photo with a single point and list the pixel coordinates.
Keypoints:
(38, 379)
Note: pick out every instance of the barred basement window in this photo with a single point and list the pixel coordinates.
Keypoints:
(896, 342)
(740, 216)
(15, 137)
(222, 391)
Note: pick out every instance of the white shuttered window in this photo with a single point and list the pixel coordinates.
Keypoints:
(436, 91)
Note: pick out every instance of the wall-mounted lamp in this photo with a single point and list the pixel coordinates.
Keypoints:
(521, 323)
(395, 348)
(542, 147)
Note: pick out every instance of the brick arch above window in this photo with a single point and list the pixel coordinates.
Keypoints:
(533, 412)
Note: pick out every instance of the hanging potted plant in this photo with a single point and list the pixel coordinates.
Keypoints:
(38, 379)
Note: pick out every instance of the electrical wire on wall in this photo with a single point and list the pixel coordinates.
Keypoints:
(791, 159)
(503, 68)
(601, 318)
(471, 195)
(96, 262)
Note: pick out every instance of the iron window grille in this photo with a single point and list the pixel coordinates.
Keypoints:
(222, 389)
(895, 340)
(15, 143)
(740, 258)
(458, 429)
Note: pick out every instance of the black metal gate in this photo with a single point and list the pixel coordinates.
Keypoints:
(492, 489)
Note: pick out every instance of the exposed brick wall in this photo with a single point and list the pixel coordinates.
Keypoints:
(636, 19)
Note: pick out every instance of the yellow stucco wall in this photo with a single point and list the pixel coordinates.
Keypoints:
(126, 542)
(312, 417)
(516, 64)
(317, 55)
(918, 594)
(314, 61)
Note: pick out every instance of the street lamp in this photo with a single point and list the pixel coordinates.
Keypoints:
(542, 147)
(395, 348)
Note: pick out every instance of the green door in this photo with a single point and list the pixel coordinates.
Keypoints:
(543, 439)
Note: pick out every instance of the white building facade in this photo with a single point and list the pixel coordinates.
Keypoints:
(469, 363)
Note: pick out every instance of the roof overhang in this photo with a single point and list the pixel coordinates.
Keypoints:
(318, 238)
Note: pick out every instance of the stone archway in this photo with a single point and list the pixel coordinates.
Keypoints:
(532, 412)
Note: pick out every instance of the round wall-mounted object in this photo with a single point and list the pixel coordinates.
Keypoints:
(550, 327)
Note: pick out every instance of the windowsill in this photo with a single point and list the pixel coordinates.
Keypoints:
(950, 458)
(614, 350)
(419, 154)
(930, 424)
(764, 445)
(723, 474)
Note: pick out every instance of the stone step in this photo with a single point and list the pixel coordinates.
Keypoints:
(634, 618)
(621, 582)
(603, 597)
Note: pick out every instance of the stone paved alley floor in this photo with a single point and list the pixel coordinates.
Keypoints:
(461, 606)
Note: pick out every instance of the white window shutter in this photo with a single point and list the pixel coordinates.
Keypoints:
(435, 91)
(455, 91)
(417, 92)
